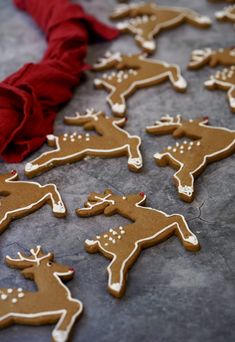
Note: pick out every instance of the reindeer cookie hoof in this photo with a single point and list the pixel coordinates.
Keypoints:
(232, 104)
(220, 15)
(60, 336)
(31, 167)
(50, 137)
(210, 83)
(97, 82)
(204, 20)
(115, 289)
(149, 45)
(91, 246)
(186, 192)
(118, 109)
(180, 84)
(135, 164)
(59, 209)
(161, 159)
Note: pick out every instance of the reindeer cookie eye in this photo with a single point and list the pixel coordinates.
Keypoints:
(49, 264)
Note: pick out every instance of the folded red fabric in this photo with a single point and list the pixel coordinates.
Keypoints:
(31, 97)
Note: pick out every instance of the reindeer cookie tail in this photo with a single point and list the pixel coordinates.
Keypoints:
(199, 58)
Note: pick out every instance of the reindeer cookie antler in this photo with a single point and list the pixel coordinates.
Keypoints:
(51, 303)
(123, 244)
(190, 158)
(112, 141)
(133, 72)
(224, 80)
(20, 198)
(227, 14)
(199, 58)
(146, 20)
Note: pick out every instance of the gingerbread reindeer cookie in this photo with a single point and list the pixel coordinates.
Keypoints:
(123, 244)
(190, 158)
(112, 141)
(146, 20)
(202, 57)
(224, 80)
(227, 14)
(133, 72)
(51, 303)
(20, 198)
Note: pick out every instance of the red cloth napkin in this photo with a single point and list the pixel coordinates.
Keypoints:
(31, 97)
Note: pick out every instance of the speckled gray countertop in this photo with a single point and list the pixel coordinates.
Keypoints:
(172, 295)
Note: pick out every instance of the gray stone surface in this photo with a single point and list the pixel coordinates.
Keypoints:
(172, 295)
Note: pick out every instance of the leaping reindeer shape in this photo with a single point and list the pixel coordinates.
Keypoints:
(147, 20)
(133, 72)
(21, 198)
(190, 158)
(51, 303)
(112, 141)
(124, 244)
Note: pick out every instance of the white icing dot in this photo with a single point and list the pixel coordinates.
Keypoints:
(169, 147)
(14, 300)
(114, 233)
(87, 139)
(79, 136)
(110, 239)
(64, 139)
(106, 244)
(189, 148)
(191, 143)
(123, 232)
(97, 237)
(177, 144)
(105, 235)
(87, 134)
(182, 147)
(3, 296)
(9, 290)
(124, 197)
(185, 142)
(21, 295)
(19, 289)
(72, 140)
(198, 143)
(174, 149)
(110, 230)
(191, 120)
(65, 135)
(121, 228)
(119, 237)
(181, 151)
(113, 241)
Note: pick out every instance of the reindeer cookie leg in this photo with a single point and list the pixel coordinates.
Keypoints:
(65, 324)
(197, 20)
(115, 98)
(58, 207)
(177, 80)
(188, 239)
(135, 161)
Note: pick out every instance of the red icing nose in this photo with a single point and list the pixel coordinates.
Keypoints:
(205, 117)
(142, 194)
(126, 119)
(13, 172)
(72, 270)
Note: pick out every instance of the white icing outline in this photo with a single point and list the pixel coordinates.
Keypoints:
(190, 189)
(58, 335)
(118, 286)
(226, 13)
(61, 204)
(179, 19)
(136, 83)
(131, 161)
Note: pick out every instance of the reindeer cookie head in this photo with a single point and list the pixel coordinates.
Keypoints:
(50, 303)
(227, 14)
(39, 263)
(145, 20)
(108, 203)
